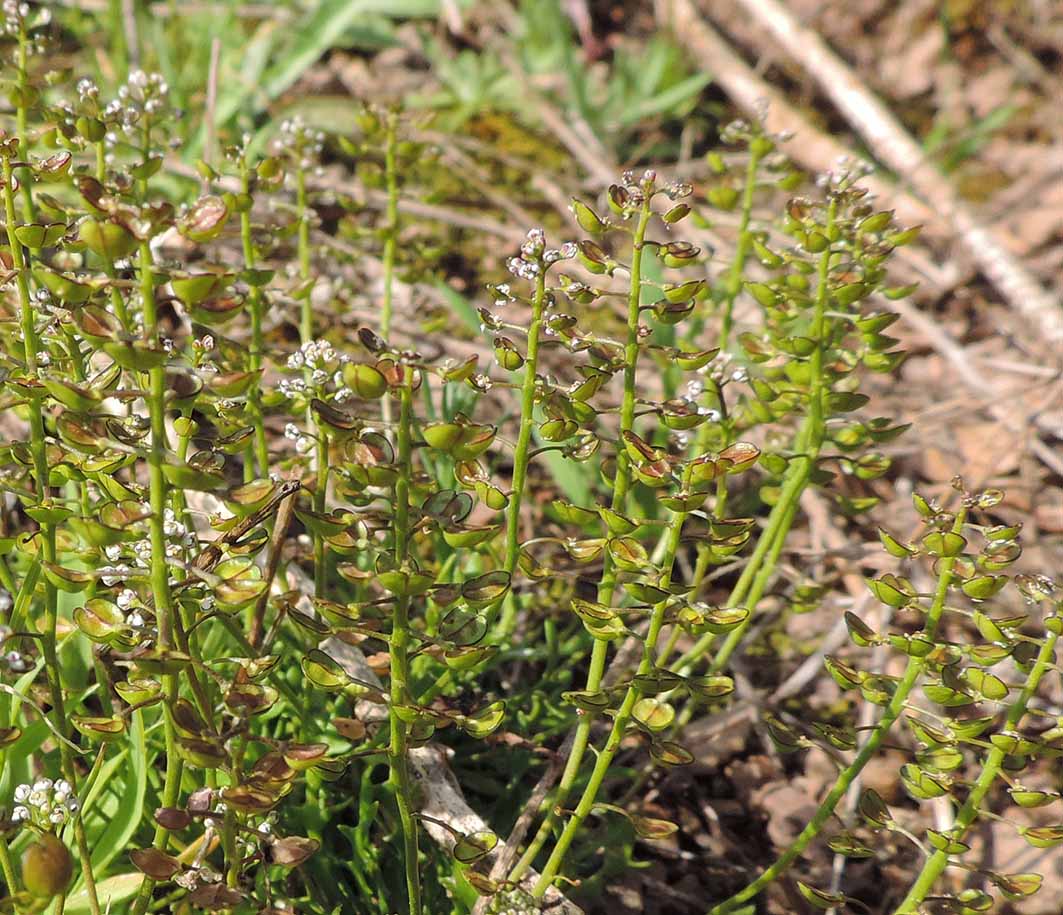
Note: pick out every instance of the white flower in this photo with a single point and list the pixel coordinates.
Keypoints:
(22, 793)
(19, 814)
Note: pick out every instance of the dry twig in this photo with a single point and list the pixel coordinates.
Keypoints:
(886, 137)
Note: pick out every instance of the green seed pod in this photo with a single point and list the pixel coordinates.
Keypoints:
(588, 220)
(47, 867)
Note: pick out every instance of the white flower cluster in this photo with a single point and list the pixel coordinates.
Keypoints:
(534, 255)
(846, 172)
(320, 363)
(299, 141)
(304, 444)
(128, 602)
(45, 802)
(16, 663)
(143, 94)
(15, 15)
(514, 902)
(87, 89)
(735, 132)
(314, 354)
(178, 539)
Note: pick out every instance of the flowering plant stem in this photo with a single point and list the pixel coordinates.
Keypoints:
(168, 621)
(742, 249)
(607, 583)
(48, 538)
(400, 663)
(391, 236)
(758, 571)
(521, 455)
(935, 865)
(254, 394)
(896, 706)
(391, 216)
(306, 335)
(620, 722)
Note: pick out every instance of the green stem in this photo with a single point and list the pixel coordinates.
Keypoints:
(745, 243)
(391, 235)
(38, 449)
(159, 571)
(254, 394)
(521, 451)
(607, 583)
(399, 651)
(775, 539)
(22, 123)
(306, 333)
(757, 574)
(935, 865)
(320, 491)
(620, 723)
(391, 216)
(825, 811)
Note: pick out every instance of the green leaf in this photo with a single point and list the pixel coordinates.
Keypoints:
(124, 822)
(112, 892)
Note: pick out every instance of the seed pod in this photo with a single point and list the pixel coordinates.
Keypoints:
(47, 867)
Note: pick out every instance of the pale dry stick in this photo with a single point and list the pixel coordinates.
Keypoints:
(129, 26)
(816, 151)
(811, 149)
(894, 147)
(508, 853)
(450, 13)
